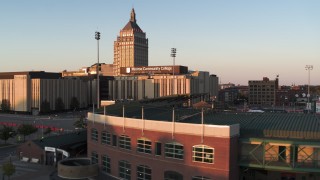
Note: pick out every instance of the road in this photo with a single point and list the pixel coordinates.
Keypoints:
(62, 120)
(6, 152)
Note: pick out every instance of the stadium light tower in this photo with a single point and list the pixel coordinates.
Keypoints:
(173, 55)
(97, 37)
(309, 68)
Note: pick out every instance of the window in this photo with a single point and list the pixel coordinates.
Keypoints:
(169, 175)
(125, 170)
(200, 178)
(143, 173)
(202, 153)
(94, 135)
(94, 157)
(106, 166)
(114, 140)
(144, 146)
(105, 138)
(158, 148)
(173, 150)
(125, 142)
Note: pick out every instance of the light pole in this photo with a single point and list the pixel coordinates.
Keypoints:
(173, 55)
(309, 68)
(97, 36)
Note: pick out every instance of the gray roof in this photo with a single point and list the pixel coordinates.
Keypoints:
(63, 140)
(252, 125)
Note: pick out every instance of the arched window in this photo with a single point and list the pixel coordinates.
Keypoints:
(106, 164)
(172, 175)
(200, 178)
(143, 172)
(203, 153)
(94, 134)
(174, 150)
(125, 170)
(144, 145)
(125, 142)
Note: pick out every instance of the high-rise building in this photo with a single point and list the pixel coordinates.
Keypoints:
(131, 47)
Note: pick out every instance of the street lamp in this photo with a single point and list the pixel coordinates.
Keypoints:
(173, 55)
(97, 37)
(309, 68)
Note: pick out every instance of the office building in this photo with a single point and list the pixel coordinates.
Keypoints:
(29, 91)
(263, 92)
(131, 47)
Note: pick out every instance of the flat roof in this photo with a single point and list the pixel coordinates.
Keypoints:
(32, 74)
(252, 125)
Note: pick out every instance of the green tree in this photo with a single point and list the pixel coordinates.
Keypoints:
(6, 133)
(5, 105)
(59, 105)
(47, 131)
(45, 106)
(8, 169)
(26, 130)
(74, 104)
(80, 123)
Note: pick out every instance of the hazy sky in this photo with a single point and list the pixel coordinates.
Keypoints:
(238, 40)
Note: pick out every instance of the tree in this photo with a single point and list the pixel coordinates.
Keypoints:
(47, 131)
(74, 104)
(8, 169)
(80, 123)
(45, 106)
(5, 105)
(26, 129)
(59, 105)
(6, 133)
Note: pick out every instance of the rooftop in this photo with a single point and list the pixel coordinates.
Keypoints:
(289, 126)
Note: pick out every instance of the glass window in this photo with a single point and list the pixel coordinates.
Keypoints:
(125, 170)
(94, 157)
(114, 140)
(200, 178)
(202, 153)
(170, 175)
(125, 142)
(174, 150)
(105, 138)
(144, 146)
(94, 135)
(106, 166)
(143, 173)
(158, 148)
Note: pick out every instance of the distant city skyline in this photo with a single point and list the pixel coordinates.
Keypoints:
(236, 40)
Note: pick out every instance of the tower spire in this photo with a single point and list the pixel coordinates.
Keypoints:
(133, 16)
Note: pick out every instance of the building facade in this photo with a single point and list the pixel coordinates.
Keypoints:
(160, 85)
(263, 92)
(26, 91)
(132, 148)
(141, 141)
(131, 47)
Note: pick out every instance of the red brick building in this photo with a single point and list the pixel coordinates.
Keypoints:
(151, 145)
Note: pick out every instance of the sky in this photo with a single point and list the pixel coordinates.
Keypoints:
(237, 40)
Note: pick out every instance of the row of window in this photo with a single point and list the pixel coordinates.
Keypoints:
(200, 153)
(142, 172)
